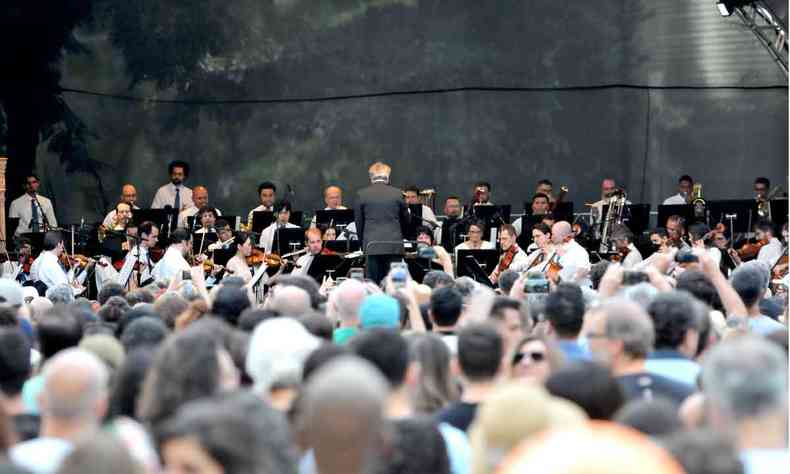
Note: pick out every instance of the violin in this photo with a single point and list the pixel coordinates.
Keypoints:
(258, 256)
(751, 249)
(77, 260)
(620, 255)
(553, 269)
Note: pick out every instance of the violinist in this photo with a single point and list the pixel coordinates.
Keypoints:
(769, 249)
(136, 265)
(627, 253)
(512, 258)
(574, 261)
(237, 265)
(700, 237)
(314, 247)
(538, 259)
(173, 260)
(676, 231)
(46, 268)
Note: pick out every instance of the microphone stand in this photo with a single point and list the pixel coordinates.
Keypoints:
(44, 218)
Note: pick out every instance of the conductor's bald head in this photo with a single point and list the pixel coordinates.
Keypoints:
(344, 415)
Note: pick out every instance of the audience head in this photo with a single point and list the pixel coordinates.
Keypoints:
(169, 306)
(108, 290)
(230, 302)
(435, 387)
(589, 385)
(564, 310)
(387, 350)
(480, 351)
(750, 281)
(345, 301)
(511, 319)
(675, 318)
(379, 311)
(445, 307)
(658, 417)
(534, 358)
(15, 365)
(438, 279)
(58, 329)
(75, 388)
(620, 332)
(143, 333)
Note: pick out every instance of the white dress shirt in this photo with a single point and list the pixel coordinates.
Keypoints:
(573, 259)
(771, 252)
(520, 262)
(533, 257)
(633, 258)
(22, 207)
(428, 215)
(171, 263)
(258, 209)
(109, 219)
(108, 274)
(166, 196)
(46, 269)
(677, 199)
(267, 236)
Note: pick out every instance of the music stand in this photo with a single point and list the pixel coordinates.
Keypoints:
(222, 256)
(779, 212)
(261, 220)
(563, 211)
(165, 219)
(323, 263)
(287, 240)
(11, 224)
(485, 259)
(528, 221)
(635, 216)
(343, 246)
(206, 238)
(686, 211)
(743, 210)
(469, 266)
(231, 220)
(415, 221)
(338, 217)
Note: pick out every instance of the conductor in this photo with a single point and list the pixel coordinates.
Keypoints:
(381, 217)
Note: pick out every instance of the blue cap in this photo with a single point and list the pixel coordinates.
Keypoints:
(379, 311)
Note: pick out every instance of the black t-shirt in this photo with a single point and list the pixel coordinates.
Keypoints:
(459, 415)
(648, 386)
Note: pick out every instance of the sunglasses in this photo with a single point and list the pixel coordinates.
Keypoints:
(534, 356)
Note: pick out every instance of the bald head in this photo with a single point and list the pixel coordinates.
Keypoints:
(346, 300)
(290, 300)
(333, 197)
(344, 415)
(128, 194)
(560, 232)
(75, 386)
(200, 196)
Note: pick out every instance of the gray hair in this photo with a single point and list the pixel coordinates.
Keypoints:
(74, 380)
(60, 294)
(746, 377)
(290, 300)
(641, 294)
(628, 322)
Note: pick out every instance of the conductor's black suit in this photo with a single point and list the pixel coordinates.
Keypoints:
(381, 217)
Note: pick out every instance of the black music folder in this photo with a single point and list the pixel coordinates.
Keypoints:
(336, 217)
(263, 219)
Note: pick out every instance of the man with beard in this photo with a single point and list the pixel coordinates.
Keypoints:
(174, 193)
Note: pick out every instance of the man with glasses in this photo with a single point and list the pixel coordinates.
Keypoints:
(35, 212)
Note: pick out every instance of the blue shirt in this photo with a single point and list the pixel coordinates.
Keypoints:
(673, 365)
(573, 350)
(765, 461)
(763, 325)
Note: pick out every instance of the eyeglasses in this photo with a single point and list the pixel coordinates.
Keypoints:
(475, 231)
(533, 355)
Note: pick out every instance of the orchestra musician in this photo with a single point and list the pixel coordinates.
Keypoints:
(122, 216)
(542, 248)
(128, 196)
(206, 218)
(545, 187)
(46, 268)
(380, 216)
(512, 258)
(330, 233)
(685, 185)
(237, 265)
(442, 259)
(314, 246)
(540, 206)
(411, 195)
(173, 260)
(721, 242)
(199, 201)
(627, 253)
(573, 259)
(137, 266)
(474, 235)
(762, 187)
(676, 231)
(35, 212)
(267, 193)
(700, 237)
(174, 193)
(608, 189)
(282, 213)
(333, 199)
(481, 194)
(771, 248)
(446, 233)
(224, 236)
